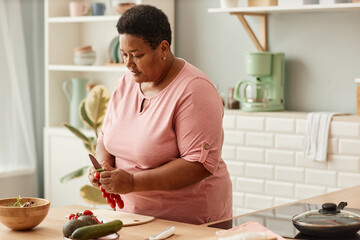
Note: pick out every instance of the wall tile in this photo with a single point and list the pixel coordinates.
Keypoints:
(233, 183)
(321, 177)
(255, 201)
(302, 161)
(344, 163)
(279, 189)
(345, 129)
(281, 201)
(290, 174)
(229, 122)
(261, 171)
(348, 179)
(285, 125)
(238, 199)
(265, 158)
(300, 126)
(236, 169)
(333, 146)
(228, 152)
(332, 189)
(306, 191)
(250, 185)
(234, 137)
(250, 123)
(349, 147)
(280, 157)
(292, 142)
(259, 139)
(250, 154)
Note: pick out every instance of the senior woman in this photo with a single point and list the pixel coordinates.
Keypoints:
(162, 135)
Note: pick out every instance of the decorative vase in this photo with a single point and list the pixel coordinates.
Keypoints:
(75, 92)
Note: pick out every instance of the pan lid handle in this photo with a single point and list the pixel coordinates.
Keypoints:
(331, 208)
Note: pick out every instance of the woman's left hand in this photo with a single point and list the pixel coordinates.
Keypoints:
(116, 180)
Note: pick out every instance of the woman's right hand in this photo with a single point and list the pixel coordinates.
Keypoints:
(91, 176)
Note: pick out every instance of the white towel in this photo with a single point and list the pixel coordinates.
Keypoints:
(317, 134)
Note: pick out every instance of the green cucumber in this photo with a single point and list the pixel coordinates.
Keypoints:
(97, 230)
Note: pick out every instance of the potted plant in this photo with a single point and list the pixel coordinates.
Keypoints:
(92, 111)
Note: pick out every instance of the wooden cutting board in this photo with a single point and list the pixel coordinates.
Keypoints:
(128, 219)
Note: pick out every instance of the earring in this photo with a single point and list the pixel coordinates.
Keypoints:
(164, 58)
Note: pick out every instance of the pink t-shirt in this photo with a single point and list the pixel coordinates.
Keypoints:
(184, 120)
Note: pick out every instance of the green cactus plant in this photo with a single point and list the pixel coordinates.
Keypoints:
(92, 111)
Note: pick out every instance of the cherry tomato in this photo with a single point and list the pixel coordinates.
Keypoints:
(112, 204)
(97, 220)
(108, 199)
(120, 203)
(97, 175)
(101, 189)
(71, 216)
(88, 212)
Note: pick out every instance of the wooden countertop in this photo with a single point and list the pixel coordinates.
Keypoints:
(51, 227)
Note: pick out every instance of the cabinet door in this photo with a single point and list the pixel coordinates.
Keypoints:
(64, 153)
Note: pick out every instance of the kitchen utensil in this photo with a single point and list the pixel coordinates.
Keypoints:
(94, 162)
(266, 92)
(75, 91)
(330, 221)
(128, 219)
(164, 234)
(23, 218)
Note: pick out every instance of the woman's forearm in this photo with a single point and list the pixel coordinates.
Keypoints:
(171, 176)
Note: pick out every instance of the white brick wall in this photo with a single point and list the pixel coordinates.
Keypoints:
(265, 157)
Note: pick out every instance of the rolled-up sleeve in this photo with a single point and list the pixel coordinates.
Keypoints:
(198, 124)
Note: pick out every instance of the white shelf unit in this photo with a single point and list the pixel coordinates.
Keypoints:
(63, 152)
(262, 12)
(287, 9)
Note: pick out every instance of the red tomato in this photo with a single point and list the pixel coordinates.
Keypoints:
(71, 216)
(120, 203)
(97, 175)
(104, 194)
(112, 204)
(97, 220)
(88, 212)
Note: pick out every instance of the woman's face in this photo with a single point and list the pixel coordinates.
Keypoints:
(143, 61)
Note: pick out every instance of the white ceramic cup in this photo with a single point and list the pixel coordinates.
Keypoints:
(78, 9)
(229, 3)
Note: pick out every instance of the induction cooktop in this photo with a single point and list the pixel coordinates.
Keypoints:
(279, 220)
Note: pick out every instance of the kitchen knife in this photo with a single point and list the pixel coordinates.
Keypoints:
(95, 163)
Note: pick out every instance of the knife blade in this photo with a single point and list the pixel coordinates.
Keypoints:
(94, 162)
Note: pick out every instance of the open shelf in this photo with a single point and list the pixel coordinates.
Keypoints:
(77, 68)
(286, 9)
(261, 42)
(84, 19)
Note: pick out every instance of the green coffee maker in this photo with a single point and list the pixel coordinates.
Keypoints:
(266, 91)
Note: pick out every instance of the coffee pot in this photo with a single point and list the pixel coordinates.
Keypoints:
(266, 91)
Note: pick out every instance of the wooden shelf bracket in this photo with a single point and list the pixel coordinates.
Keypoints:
(261, 43)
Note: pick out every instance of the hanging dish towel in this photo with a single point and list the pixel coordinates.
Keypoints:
(317, 134)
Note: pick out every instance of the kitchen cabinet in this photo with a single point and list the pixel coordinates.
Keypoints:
(62, 34)
(260, 41)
